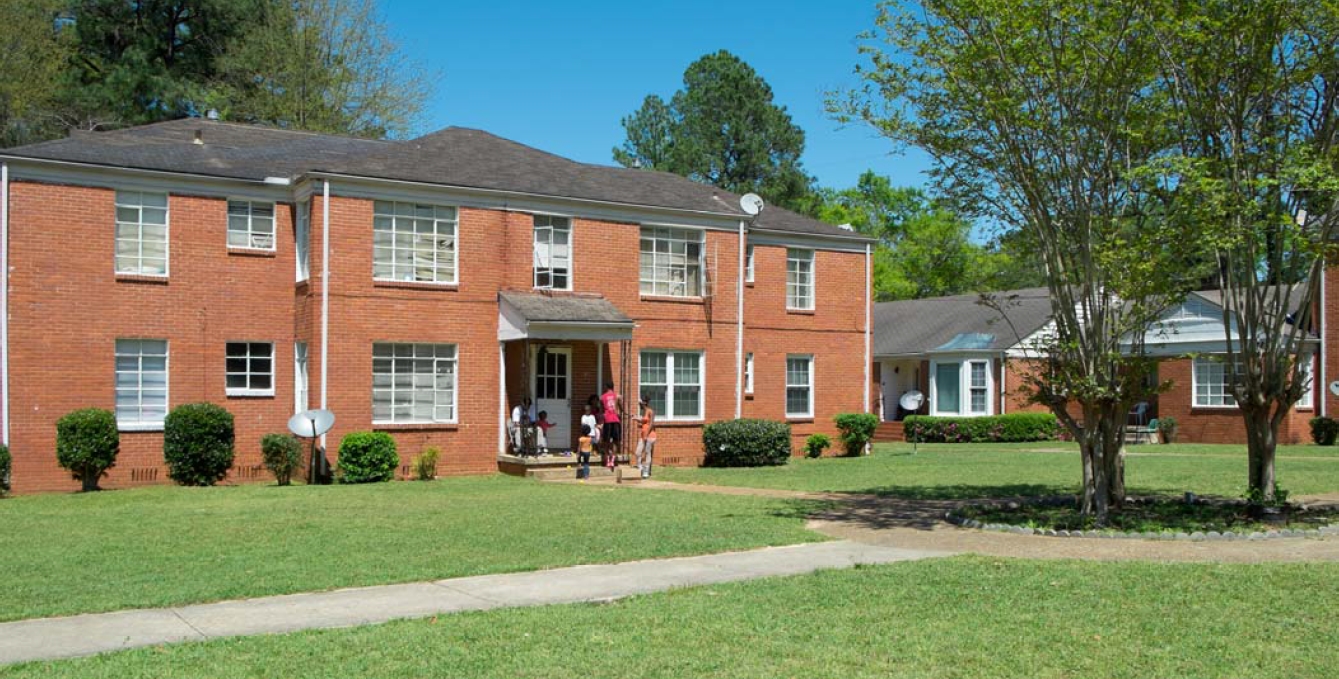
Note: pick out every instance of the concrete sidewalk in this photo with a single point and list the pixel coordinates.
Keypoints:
(51, 638)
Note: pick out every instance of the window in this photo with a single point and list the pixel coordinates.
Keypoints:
(299, 377)
(553, 252)
(979, 390)
(1308, 399)
(1212, 388)
(671, 262)
(141, 233)
(141, 384)
(413, 383)
(748, 373)
(748, 265)
(799, 386)
(672, 381)
(250, 225)
(302, 239)
(413, 242)
(799, 279)
(250, 369)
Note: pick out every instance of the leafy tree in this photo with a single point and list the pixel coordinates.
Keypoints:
(721, 129)
(1033, 111)
(1256, 160)
(322, 65)
(32, 55)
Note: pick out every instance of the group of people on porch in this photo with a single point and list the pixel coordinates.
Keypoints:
(601, 430)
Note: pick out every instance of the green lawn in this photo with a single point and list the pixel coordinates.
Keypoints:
(966, 617)
(968, 470)
(62, 554)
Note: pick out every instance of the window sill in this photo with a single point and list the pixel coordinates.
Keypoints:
(672, 299)
(1217, 409)
(416, 285)
(141, 278)
(662, 423)
(748, 284)
(800, 312)
(139, 426)
(251, 252)
(247, 393)
(800, 419)
(415, 426)
(748, 395)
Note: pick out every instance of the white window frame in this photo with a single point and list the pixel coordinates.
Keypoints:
(412, 354)
(248, 372)
(1219, 367)
(300, 378)
(972, 388)
(809, 412)
(671, 237)
(406, 226)
(748, 373)
(134, 200)
(748, 263)
(252, 220)
(800, 294)
(965, 387)
(1308, 399)
(140, 423)
(551, 224)
(671, 383)
(302, 240)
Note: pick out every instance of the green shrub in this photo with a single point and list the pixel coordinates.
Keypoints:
(857, 429)
(367, 457)
(816, 444)
(1013, 427)
(282, 455)
(198, 444)
(5, 461)
(1324, 430)
(87, 443)
(425, 465)
(1167, 427)
(746, 443)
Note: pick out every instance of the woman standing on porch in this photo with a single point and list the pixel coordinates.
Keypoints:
(612, 434)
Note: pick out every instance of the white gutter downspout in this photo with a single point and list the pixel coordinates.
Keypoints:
(868, 331)
(4, 296)
(1319, 386)
(325, 294)
(739, 326)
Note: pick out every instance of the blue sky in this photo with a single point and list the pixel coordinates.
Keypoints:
(560, 75)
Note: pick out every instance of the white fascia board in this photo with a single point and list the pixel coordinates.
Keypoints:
(812, 241)
(110, 177)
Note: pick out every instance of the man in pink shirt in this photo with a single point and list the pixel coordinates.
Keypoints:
(612, 433)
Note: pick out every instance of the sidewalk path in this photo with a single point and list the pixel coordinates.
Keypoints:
(52, 638)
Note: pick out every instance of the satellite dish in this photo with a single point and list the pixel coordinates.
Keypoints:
(311, 423)
(911, 401)
(1334, 387)
(751, 204)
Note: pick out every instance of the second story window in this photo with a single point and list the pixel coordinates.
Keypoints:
(748, 265)
(671, 262)
(412, 242)
(141, 233)
(553, 252)
(302, 240)
(799, 279)
(250, 225)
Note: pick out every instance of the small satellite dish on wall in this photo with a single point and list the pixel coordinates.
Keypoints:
(309, 424)
(751, 204)
(1334, 387)
(911, 401)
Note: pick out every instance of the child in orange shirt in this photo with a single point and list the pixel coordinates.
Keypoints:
(583, 453)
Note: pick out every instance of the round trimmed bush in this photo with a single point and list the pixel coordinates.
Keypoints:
(282, 455)
(367, 457)
(87, 443)
(746, 443)
(5, 462)
(198, 444)
(857, 429)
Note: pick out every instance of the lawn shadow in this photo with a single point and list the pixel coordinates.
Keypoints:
(964, 491)
(923, 507)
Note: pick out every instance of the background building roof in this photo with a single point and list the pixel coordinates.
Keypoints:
(918, 326)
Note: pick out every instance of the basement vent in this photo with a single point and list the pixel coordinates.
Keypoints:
(252, 471)
(142, 474)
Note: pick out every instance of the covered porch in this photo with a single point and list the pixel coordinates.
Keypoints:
(554, 349)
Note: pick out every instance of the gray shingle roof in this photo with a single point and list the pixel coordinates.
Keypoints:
(556, 307)
(918, 326)
(454, 156)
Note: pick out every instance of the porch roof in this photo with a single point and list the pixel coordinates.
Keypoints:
(560, 316)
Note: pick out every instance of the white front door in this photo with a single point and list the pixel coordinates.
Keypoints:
(553, 392)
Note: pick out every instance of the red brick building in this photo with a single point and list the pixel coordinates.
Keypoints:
(418, 287)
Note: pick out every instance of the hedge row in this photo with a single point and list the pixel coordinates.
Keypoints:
(996, 428)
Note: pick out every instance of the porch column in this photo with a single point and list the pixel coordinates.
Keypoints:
(502, 397)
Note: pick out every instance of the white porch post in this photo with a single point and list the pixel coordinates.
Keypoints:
(502, 397)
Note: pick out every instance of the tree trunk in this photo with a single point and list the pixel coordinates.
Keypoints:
(1261, 442)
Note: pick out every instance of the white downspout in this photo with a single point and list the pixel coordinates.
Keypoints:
(869, 332)
(502, 397)
(325, 295)
(1319, 380)
(4, 296)
(739, 326)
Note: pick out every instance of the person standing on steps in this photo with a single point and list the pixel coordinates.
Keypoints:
(646, 437)
(612, 435)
